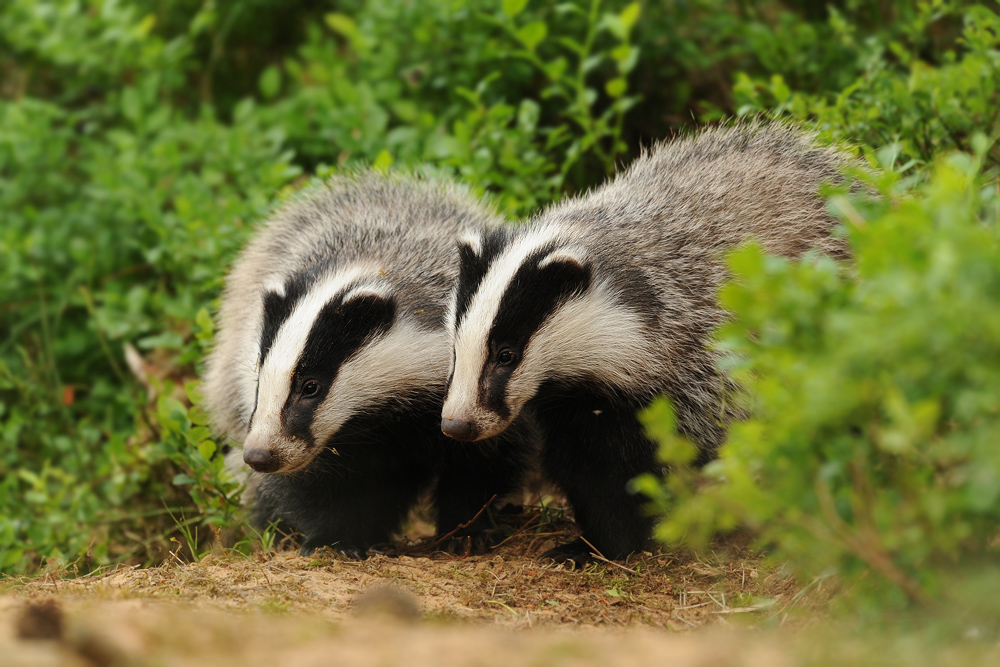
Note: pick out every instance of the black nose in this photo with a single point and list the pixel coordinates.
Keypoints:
(458, 429)
(261, 460)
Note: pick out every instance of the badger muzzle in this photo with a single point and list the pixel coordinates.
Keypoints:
(270, 453)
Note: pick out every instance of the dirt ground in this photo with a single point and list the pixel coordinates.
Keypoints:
(507, 607)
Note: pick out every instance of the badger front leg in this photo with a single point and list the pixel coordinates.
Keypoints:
(592, 449)
(347, 501)
(481, 473)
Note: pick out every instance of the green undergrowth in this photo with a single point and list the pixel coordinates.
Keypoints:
(872, 454)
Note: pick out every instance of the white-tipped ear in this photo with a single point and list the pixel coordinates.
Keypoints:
(275, 287)
(367, 291)
(571, 255)
(472, 241)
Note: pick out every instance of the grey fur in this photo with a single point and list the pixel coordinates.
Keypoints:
(639, 261)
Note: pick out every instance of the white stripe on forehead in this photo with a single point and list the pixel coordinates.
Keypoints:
(274, 380)
(473, 239)
(470, 338)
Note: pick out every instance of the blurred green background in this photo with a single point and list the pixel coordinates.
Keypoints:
(141, 140)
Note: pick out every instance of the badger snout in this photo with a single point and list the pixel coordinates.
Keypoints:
(261, 459)
(459, 429)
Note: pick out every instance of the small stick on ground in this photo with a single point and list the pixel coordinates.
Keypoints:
(599, 556)
(440, 540)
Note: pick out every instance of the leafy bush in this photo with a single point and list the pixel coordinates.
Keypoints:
(873, 445)
(119, 213)
(923, 105)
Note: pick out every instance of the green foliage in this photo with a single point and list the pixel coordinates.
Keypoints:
(517, 99)
(874, 441)
(872, 448)
(925, 105)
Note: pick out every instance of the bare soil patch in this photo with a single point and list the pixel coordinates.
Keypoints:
(427, 607)
(505, 608)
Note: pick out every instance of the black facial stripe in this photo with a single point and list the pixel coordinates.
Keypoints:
(532, 296)
(339, 332)
(473, 268)
(451, 373)
(278, 308)
(493, 387)
(256, 397)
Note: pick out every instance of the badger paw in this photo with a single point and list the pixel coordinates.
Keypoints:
(472, 542)
(349, 551)
(575, 554)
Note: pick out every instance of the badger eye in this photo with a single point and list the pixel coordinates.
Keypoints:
(505, 357)
(310, 388)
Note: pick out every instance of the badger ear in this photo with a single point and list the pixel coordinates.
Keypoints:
(565, 269)
(470, 244)
(470, 260)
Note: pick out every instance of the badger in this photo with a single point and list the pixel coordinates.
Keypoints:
(330, 361)
(607, 300)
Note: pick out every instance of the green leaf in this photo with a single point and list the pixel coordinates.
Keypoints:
(573, 45)
(616, 87)
(192, 389)
(270, 82)
(630, 15)
(342, 24)
(170, 409)
(168, 340)
(512, 8)
(532, 34)
(206, 449)
(383, 161)
(206, 327)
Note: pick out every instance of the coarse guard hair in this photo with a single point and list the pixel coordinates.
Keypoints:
(331, 358)
(608, 299)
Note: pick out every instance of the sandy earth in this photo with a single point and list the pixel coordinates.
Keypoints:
(505, 608)
(508, 607)
(440, 609)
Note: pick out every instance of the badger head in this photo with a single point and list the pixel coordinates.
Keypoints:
(518, 317)
(330, 348)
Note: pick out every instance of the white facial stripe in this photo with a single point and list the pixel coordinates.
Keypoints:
(274, 380)
(475, 241)
(470, 339)
(403, 359)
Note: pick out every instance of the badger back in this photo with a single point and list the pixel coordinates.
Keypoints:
(702, 194)
(336, 309)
